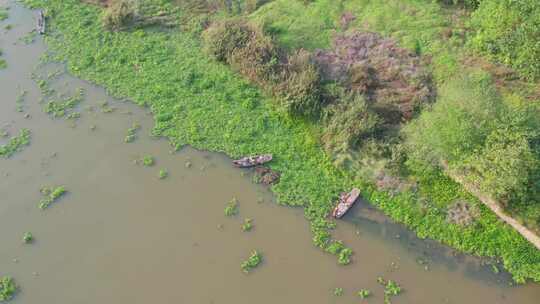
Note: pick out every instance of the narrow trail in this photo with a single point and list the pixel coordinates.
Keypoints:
(494, 206)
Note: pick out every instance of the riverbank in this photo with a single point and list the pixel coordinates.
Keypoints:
(199, 102)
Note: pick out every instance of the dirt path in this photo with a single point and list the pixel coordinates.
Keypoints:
(495, 207)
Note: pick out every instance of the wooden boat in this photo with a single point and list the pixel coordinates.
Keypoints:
(251, 161)
(346, 201)
(41, 23)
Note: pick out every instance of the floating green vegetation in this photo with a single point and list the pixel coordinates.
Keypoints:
(62, 107)
(106, 108)
(148, 160)
(7, 288)
(3, 64)
(341, 251)
(364, 293)
(338, 291)
(247, 225)
(8, 27)
(44, 85)
(253, 261)
(214, 109)
(28, 237)
(163, 173)
(232, 207)
(3, 133)
(52, 194)
(391, 289)
(132, 133)
(29, 38)
(15, 144)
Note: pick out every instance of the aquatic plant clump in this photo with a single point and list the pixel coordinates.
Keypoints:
(28, 237)
(391, 289)
(148, 161)
(253, 261)
(163, 173)
(52, 194)
(7, 288)
(247, 225)
(132, 133)
(15, 144)
(364, 293)
(338, 291)
(3, 14)
(232, 207)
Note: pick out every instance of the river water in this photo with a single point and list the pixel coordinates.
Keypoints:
(122, 235)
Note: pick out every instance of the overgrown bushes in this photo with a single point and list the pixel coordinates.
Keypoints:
(119, 14)
(494, 145)
(294, 79)
(508, 31)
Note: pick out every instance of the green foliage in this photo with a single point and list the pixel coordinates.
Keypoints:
(300, 90)
(28, 237)
(391, 289)
(3, 14)
(338, 291)
(62, 106)
(458, 123)
(232, 207)
(247, 225)
(15, 143)
(148, 160)
(132, 133)
(163, 173)
(364, 293)
(507, 31)
(222, 38)
(7, 288)
(344, 257)
(51, 195)
(253, 261)
(3, 64)
(505, 164)
(350, 121)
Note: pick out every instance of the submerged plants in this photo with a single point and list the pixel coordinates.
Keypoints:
(7, 288)
(232, 207)
(253, 261)
(15, 144)
(52, 194)
(132, 133)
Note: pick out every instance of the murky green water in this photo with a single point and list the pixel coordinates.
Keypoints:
(122, 235)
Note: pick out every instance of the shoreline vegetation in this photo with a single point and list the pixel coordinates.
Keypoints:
(200, 102)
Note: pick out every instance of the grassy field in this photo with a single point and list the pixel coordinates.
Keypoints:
(199, 102)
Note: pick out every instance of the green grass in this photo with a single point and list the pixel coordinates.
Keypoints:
(204, 104)
(15, 144)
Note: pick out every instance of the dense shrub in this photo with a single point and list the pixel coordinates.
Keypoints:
(224, 37)
(351, 120)
(118, 14)
(300, 90)
(458, 124)
(505, 164)
(508, 31)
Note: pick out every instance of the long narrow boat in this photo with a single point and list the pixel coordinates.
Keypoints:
(251, 161)
(41, 24)
(346, 201)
